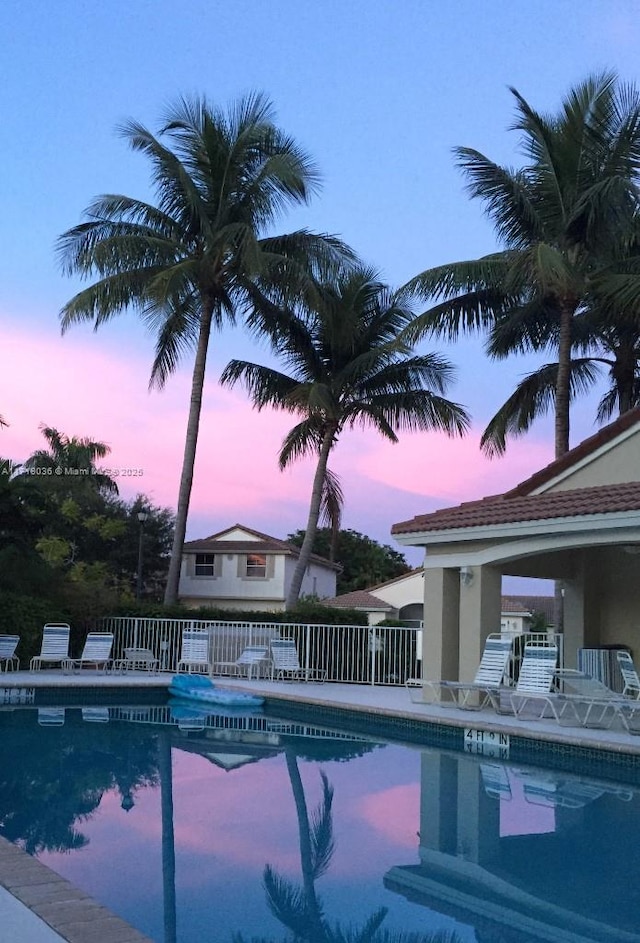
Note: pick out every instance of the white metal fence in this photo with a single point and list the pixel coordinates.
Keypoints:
(346, 653)
(356, 654)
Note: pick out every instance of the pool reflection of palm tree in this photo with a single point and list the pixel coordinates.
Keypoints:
(168, 841)
(300, 909)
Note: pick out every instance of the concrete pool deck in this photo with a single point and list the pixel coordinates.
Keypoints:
(370, 699)
(38, 906)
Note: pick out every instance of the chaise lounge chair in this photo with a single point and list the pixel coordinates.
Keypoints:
(194, 654)
(55, 646)
(629, 674)
(285, 663)
(95, 654)
(488, 678)
(585, 701)
(537, 672)
(8, 657)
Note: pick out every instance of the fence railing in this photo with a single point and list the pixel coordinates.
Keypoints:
(358, 654)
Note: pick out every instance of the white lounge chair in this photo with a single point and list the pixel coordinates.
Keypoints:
(285, 663)
(495, 780)
(51, 716)
(194, 654)
(593, 704)
(55, 645)
(537, 671)
(8, 657)
(489, 677)
(95, 654)
(629, 674)
(95, 715)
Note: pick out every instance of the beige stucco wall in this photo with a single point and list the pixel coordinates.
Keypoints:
(619, 574)
(616, 466)
(402, 592)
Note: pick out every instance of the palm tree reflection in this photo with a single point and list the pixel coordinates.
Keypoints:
(298, 907)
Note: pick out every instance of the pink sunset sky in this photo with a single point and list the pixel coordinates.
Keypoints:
(375, 94)
(101, 392)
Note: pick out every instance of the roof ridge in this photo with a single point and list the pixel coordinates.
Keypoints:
(582, 450)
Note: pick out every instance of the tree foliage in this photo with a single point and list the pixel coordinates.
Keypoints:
(364, 561)
(69, 538)
(568, 226)
(348, 364)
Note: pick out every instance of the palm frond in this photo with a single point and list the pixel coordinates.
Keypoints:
(332, 502)
(533, 397)
(286, 902)
(507, 197)
(321, 831)
(304, 439)
(265, 385)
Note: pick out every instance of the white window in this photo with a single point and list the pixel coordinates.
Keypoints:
(205, 564)
(257, 565)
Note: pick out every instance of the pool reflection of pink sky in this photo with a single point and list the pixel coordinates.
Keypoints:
(246, 817)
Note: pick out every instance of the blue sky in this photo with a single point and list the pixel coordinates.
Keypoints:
(379, 93)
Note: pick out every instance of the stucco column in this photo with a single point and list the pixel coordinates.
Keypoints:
(582, 607)
(440, 633)
(480, 611)
(478, 820)
(438, 802)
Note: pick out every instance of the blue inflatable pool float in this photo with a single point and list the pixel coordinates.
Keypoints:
(202, 690)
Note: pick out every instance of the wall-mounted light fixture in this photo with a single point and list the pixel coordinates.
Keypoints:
(466, 575)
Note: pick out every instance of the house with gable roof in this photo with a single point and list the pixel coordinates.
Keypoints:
(241, 568)
(577, 520)
(403, 598)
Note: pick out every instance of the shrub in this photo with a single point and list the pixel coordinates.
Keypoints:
(25, 616)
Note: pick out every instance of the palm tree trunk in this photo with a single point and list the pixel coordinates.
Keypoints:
(168, 843)
(562, 427)
(312, 521)
(306, 856)
(188, 461)
(562, 384)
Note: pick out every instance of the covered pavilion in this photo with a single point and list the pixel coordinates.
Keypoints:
(577, 521)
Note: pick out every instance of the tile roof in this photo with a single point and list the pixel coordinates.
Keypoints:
(513, 508)
(543, 604)
(509, 604)
(577, 454)
(264, 544)
(358, 599)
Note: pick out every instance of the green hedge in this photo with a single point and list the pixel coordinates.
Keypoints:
(25, 616)
(307, 612)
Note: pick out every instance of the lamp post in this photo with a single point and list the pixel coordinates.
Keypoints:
(142, 517)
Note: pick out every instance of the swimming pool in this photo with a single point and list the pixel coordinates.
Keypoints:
(197, 828)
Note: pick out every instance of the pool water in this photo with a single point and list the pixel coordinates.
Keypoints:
(227, 828)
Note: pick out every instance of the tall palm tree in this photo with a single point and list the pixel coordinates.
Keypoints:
(349, 365)
(568, 224)
(191, 260)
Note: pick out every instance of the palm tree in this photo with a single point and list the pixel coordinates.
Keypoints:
(568, 223)
(349, 364)
(71, 459)
(192, 260)
(616, 347)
